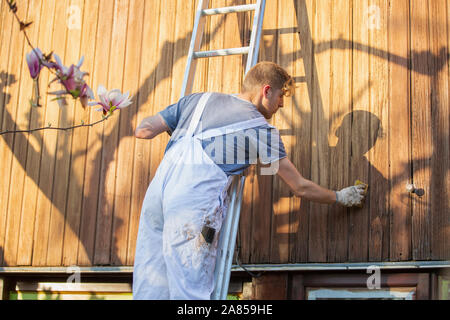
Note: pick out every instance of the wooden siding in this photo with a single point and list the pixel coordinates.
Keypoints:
(371, 103)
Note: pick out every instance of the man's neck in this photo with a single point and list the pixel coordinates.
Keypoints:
(253, 99)
(250, 97)
(245, 96)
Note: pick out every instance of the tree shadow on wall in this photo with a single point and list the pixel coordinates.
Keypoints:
(330, 234)
(6, 80)
(84, 225)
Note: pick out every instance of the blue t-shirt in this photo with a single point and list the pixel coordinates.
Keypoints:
(233, 153)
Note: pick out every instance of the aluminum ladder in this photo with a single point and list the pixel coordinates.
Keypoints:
(228, 232)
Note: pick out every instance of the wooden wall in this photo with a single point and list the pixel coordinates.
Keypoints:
(371, 103)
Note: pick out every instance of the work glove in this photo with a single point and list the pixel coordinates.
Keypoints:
(351, 196)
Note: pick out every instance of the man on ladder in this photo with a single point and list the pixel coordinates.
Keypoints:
(186, 202)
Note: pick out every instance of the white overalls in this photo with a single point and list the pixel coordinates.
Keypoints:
(173, 260)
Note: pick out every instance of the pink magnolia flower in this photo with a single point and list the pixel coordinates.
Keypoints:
(72, 80)
(34, 59)
(111, 100)
(85, 94)
(62, 70)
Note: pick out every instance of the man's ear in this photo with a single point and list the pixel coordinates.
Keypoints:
(266, 91)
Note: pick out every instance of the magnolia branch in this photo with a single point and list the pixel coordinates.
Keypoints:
(62, 129)
(71, 78)
(13, 7)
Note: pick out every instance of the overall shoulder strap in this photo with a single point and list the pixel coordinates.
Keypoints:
(197, 114)
(243, 125)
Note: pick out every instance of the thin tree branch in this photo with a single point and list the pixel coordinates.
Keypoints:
(62, 129)
(13, 8)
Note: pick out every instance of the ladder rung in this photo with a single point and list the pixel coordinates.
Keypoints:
(232, 9)
(221, 52)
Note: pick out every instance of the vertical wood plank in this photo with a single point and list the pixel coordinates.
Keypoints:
(421, 127)
(340, 135)
(439, 206)
(5, 33)
(320, 163)
(90, 211)
(56, 114)
(30, 119)
(123, 193)
(104, 241)
(262, 184)
(244, 244)
(399, 131)
(216, 41)
(58, 225)
(359, 167)
(75, 196)
(302, 115)
(245, 241)
(232, 76)
(3, 12)
(282, 120)
(16, 145)
(182, 39)
(143, 158)
(43, 203)
(5, 82)
(163, 78)
(378, 196)
(247, 220)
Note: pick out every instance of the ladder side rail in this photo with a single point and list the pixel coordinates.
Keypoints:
(234, 230)
(255, 35)
(258, 35)
(196, 42)
(222, 247)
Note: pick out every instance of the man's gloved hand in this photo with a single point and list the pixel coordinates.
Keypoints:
(351, 196)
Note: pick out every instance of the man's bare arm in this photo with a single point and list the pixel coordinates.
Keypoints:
(150, 127)
(302, 187)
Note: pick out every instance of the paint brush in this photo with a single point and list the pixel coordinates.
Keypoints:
(366, 186)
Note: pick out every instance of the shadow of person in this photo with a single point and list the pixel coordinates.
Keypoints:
(345, 234)
(359, 234)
